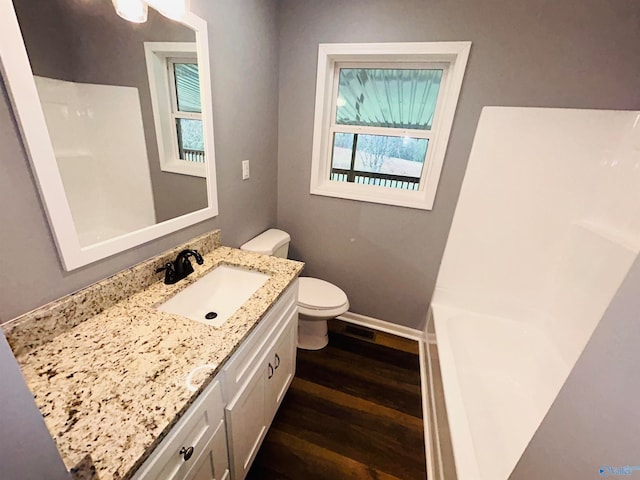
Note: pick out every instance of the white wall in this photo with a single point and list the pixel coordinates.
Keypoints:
(546, 226)
(545, 230)
(105, 175)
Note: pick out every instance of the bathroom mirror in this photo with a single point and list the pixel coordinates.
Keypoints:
(116, 120)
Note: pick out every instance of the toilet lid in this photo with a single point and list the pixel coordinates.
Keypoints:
(267, 242)
(317, 294)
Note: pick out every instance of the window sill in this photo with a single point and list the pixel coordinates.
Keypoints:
(368, 193)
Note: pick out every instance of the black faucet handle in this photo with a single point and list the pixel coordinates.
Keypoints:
(168, 267)
(169, 273)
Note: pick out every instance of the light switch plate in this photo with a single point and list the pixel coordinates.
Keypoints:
(245, 170)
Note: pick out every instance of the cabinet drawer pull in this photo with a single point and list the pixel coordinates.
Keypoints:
(271, 370)
(186, 453)
(277, 361)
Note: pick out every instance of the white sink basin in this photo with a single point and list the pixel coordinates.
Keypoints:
(219, 294)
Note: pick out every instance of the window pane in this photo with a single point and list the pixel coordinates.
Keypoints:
(187, 87)
(386, 161)
(395, 98)
(190, 139)
(342, 148)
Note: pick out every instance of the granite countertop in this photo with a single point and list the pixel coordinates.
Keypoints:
(111, 387)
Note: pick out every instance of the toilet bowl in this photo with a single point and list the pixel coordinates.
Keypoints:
(318, 300)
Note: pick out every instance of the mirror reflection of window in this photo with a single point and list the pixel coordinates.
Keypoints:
(186, 109)
(174, 82)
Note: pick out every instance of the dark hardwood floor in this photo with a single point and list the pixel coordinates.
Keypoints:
(353, 411)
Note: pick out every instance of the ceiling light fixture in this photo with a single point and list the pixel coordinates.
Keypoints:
(137, 10)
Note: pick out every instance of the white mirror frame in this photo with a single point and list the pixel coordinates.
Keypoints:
(18, 77)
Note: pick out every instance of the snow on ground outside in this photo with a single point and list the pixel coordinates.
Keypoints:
(390, 165)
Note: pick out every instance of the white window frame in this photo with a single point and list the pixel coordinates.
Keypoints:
(160, 57)
(451, 57)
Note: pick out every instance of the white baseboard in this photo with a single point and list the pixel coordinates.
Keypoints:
(424, 394)
(383, 326)
(431, 405)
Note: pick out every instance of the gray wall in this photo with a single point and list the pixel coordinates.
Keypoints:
(89, 43)
(595, 420)
(47, 37)
(28, 451)
(573, 53)
(243, 46)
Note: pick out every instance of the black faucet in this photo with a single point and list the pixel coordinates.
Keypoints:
(180, 267)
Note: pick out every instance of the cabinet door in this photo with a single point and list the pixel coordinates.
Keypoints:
(283, 360)
(213, 463)
(246, 419)
(245, 359)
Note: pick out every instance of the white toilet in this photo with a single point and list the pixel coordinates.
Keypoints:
(318, 301)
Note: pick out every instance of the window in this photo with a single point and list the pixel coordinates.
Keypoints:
(174, 82)
(383, 117)
(186, 110)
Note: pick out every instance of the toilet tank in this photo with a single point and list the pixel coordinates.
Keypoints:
(272, 242)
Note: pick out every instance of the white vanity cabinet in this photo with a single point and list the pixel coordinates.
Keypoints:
(220, 434)
(196, 446)
(255, 382)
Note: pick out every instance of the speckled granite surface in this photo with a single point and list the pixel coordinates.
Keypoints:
(41, 325)
(112, 386)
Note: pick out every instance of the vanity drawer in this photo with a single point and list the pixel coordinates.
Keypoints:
(188, 439)
(244, 360)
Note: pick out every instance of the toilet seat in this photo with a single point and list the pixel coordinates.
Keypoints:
(320, 298)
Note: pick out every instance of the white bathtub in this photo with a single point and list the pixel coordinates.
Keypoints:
(500, 378)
